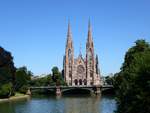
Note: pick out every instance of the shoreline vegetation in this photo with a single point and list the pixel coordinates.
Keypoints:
(13, 79)
(17, 96)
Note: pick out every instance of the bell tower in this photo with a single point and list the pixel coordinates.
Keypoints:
(69, 58)
(90, 59)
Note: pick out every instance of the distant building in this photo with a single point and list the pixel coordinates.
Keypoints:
(38, 77)
(81, 71)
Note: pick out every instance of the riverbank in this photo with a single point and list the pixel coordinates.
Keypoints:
(17, 96)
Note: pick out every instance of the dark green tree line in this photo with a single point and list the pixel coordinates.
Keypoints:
(42, 81)
(56, 78)
(23, 79)
(132, 83)
(14, 79)
(7, 73)
(11, 78)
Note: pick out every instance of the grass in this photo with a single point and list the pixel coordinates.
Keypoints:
(15, 97)
(18, 94)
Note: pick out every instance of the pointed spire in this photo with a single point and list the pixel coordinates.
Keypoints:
(69, 30)
(89, 26)
(69, 37)
(89, 39)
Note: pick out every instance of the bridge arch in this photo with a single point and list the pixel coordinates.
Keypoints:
(77, 91)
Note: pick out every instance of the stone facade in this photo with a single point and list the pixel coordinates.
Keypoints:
(81, 71)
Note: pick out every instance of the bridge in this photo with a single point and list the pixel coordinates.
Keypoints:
(61, 89)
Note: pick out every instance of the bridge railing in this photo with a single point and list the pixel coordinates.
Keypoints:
(81, 86)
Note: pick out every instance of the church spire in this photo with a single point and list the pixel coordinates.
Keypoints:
(89, 43)
(69, 56)
(89, 32)
(69, 37)
(69, 34)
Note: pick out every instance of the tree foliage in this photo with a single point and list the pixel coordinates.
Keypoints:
(109, 80)
(23, 78)
(6, 90)
(42, 81)
(132, 83)
(57, 76)
(49, 80)
(12, 79)
(7, 73)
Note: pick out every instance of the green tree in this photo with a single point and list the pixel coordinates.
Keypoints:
(43, 81)
(132, 83)
(49, 80)
(57, 76)
(6, 90)
(23, 78)
(7, 72)
(109, 80)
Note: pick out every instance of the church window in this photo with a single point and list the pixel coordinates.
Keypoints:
(70, 74)
(80, 69)
(69, 54)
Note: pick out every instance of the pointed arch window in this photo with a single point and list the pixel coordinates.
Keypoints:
(69, 56)
(90, 58)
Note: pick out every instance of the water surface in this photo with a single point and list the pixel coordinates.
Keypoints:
(64, 104)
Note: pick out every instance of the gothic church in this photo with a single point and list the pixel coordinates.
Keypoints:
(81, 71)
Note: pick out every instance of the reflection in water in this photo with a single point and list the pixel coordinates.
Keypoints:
(82, 105)
(69, 104)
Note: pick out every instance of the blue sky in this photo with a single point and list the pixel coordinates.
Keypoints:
(34, 31)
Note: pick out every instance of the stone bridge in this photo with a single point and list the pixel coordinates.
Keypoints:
(62, 89)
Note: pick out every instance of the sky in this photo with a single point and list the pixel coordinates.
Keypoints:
(35, 31)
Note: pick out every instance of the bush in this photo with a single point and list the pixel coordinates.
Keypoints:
(6, 90)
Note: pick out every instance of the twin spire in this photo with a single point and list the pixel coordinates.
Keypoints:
(89, 39)
(89, 33)
(69, 34)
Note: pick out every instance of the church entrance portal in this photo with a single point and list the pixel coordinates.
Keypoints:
(76, 82)
(80, 82)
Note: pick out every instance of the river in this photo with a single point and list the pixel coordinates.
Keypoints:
(64, 104)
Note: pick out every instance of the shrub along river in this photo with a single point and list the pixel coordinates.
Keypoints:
(63, 104)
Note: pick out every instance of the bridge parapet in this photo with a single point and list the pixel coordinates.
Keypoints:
(59, 89)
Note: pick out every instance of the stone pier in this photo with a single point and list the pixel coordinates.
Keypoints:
(58, 91)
